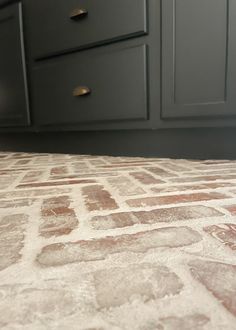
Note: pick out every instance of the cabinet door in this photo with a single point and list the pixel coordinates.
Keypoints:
(13, 87)
(198, 58)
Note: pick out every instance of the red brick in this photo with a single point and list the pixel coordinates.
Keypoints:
(86, 175)
(80, 166)
(59, 170)
(204, 178)
(12, 233)
(188, 322)
(32, 176)
(225, 233)
(219, 279)
(33, 193)
(120, 285)
(131, 162)
(6, 181)
(231, 209)
(124, 219)
(145, 178)
(173, 166)
(66, 177)
(38, 305)
(23, 162)
(125, 186)
(54, 183)
(98, 249)
(214, 162)
(220, 185)
(12, 171)
(97, 162)
(159, 171)
(97, 198)
(57, 218)
(215, 173)
(175, 199)
(16, 203)
(123, 165)
(209, 167)
(20, 156)
(202, 186)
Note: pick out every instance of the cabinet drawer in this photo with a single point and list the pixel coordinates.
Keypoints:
(56, 26)
(116, 78)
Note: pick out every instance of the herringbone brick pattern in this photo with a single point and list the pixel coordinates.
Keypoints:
(111, 243)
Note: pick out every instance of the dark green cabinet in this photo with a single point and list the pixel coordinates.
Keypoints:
(148, 64)
(198, 58)
(13, 86)
(114, 81)
(75, 24)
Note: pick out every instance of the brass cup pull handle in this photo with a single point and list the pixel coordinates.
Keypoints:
(81, 91)
(78, 13)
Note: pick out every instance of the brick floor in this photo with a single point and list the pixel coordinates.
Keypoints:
(113, 243)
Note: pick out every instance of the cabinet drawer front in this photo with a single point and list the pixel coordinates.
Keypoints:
(115, 77)
(56, 26)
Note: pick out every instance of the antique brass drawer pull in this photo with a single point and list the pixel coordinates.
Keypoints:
(81, 91)
(78, 13)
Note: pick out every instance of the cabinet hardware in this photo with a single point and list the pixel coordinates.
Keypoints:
(81, 91)
(78, 13)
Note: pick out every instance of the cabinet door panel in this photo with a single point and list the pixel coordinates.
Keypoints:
(198, 40)
(13, 87)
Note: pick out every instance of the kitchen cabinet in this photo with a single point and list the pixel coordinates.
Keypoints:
(14, 109)
(100, 65)
(198, 58)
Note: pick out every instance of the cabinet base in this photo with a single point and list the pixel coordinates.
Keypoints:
(204, 143)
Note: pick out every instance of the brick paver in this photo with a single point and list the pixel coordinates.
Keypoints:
(112, 243)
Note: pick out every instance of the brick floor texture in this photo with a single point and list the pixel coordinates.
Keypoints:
(117, 243)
